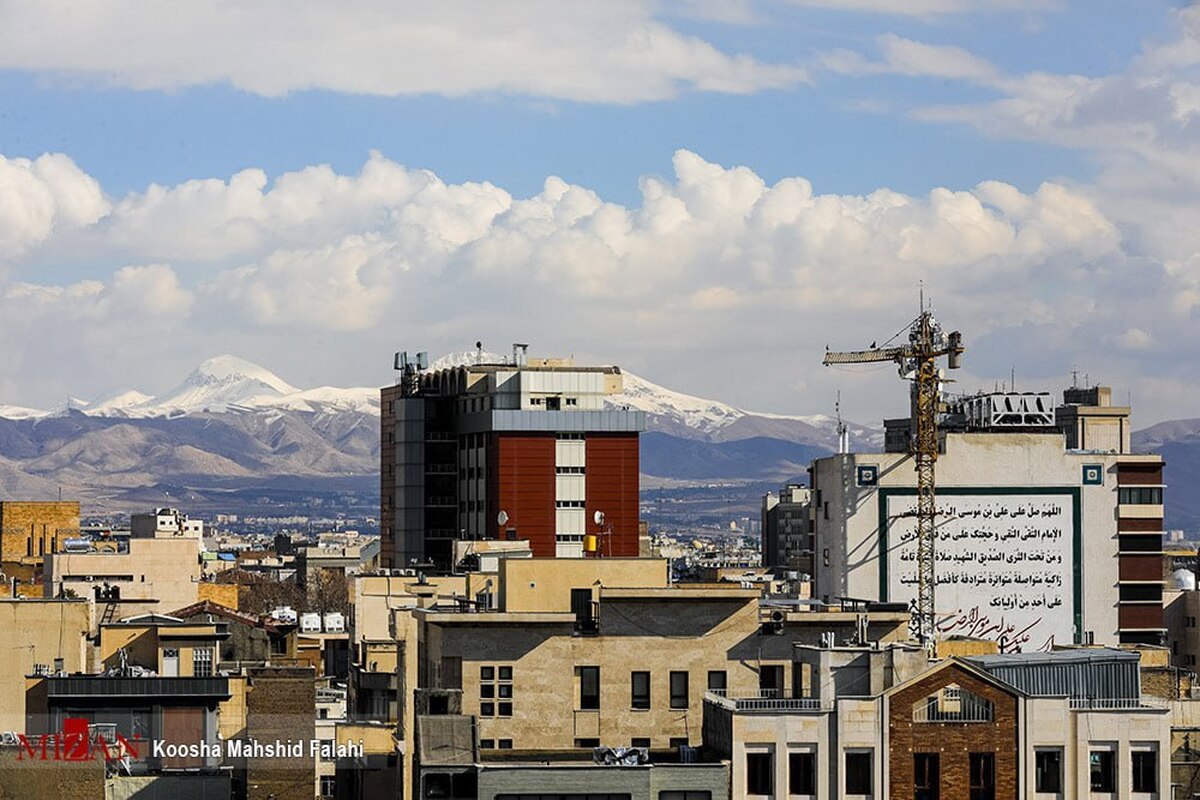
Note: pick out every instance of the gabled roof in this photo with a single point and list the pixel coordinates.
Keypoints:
(965, 666)
(218, 610)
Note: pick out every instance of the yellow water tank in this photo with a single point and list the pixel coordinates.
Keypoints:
(589, 543)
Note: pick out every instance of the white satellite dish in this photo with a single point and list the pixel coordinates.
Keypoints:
(598, 517)
(502, 518)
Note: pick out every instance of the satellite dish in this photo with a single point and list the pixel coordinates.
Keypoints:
(598, 517)
(502, 518)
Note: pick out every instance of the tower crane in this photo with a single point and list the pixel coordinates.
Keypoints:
(918, 363)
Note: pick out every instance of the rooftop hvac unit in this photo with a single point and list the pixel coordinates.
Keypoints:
(310, 623)
(335, 622)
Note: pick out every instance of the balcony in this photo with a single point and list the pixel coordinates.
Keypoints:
(1118, 703)
(767, 700)
(87, 686)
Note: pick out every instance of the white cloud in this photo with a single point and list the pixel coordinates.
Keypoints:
(40, 197)
(713, 264)
(611, 52)
(928, 8)
(901, 56)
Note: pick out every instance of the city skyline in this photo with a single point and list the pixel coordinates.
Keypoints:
(723, 191)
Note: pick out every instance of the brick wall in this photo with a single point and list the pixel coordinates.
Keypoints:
(953, 742)
(281, 705)
(29, 530)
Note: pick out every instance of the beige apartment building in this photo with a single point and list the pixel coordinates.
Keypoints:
(31, 530)
(39, 636)
(153, 575)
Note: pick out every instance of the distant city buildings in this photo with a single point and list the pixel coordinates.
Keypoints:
(525, 449)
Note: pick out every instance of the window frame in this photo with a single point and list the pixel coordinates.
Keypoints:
(867, 774)
(679, 700)
(1039, 754)
(589, 696)
(639, 700)
(755, 776)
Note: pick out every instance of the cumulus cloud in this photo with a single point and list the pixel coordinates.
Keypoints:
(612, 52)
(713, 257)
(40, 197)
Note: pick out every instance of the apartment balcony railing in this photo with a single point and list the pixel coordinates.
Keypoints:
(102, 686)
(766, 700)
(1116, 703)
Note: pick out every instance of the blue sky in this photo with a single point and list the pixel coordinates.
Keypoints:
(927, 131)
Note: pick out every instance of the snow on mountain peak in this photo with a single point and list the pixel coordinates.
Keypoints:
(469, 358)
(230, 369)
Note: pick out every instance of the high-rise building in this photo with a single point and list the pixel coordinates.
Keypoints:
(786, 530)
(522, 449)
(1049, 530)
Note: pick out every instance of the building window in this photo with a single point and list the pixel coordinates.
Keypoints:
(760, 773)
(952, 704)
(1102, 771)
(487, 744)
(1141, 592)
(589, 688)
(585, 743)
(717, 681)
(1145, 771)
(1140, 495)
(569, 504)
(983, 776)
(572, 401)
(860, 775)
(1047, 776)
(926, 776)
(495, 691)
(639, 690)
(505, 744)
(679, 690)
(692, 795)
(328, 785)
(802, 775)
(640, 741)
(202, 666)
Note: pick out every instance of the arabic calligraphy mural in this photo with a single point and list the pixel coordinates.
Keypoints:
(1003, 565)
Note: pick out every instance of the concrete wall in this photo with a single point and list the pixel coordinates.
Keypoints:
(37, 632)
(164, 570)
(528, 585)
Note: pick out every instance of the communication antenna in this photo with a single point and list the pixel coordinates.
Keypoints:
(843, 433)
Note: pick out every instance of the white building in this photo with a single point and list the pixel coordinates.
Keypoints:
(1037, 544)
(165, 523)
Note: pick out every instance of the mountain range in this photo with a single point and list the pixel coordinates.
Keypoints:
(233, 435)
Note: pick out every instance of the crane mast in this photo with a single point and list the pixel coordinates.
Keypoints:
(918, 362)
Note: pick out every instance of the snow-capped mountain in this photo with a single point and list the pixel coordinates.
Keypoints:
(690, 417)
(220, 384)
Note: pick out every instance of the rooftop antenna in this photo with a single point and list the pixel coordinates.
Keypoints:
(842, 432)
(1012, 379)
(478, 353)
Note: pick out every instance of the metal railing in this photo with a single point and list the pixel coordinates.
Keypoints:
(1116, 703)
(101, 686)
(774, 701)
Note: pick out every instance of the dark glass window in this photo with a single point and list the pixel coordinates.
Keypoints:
(983, 776)
(760, 773)
(802, 776)
(926, 776)
(679, 690)
(589, 688)
(1103, 771)
(1048, 771)
(1140, 495)
(639, 690)
(860, 778)
(717, 681)
(1145, 771)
